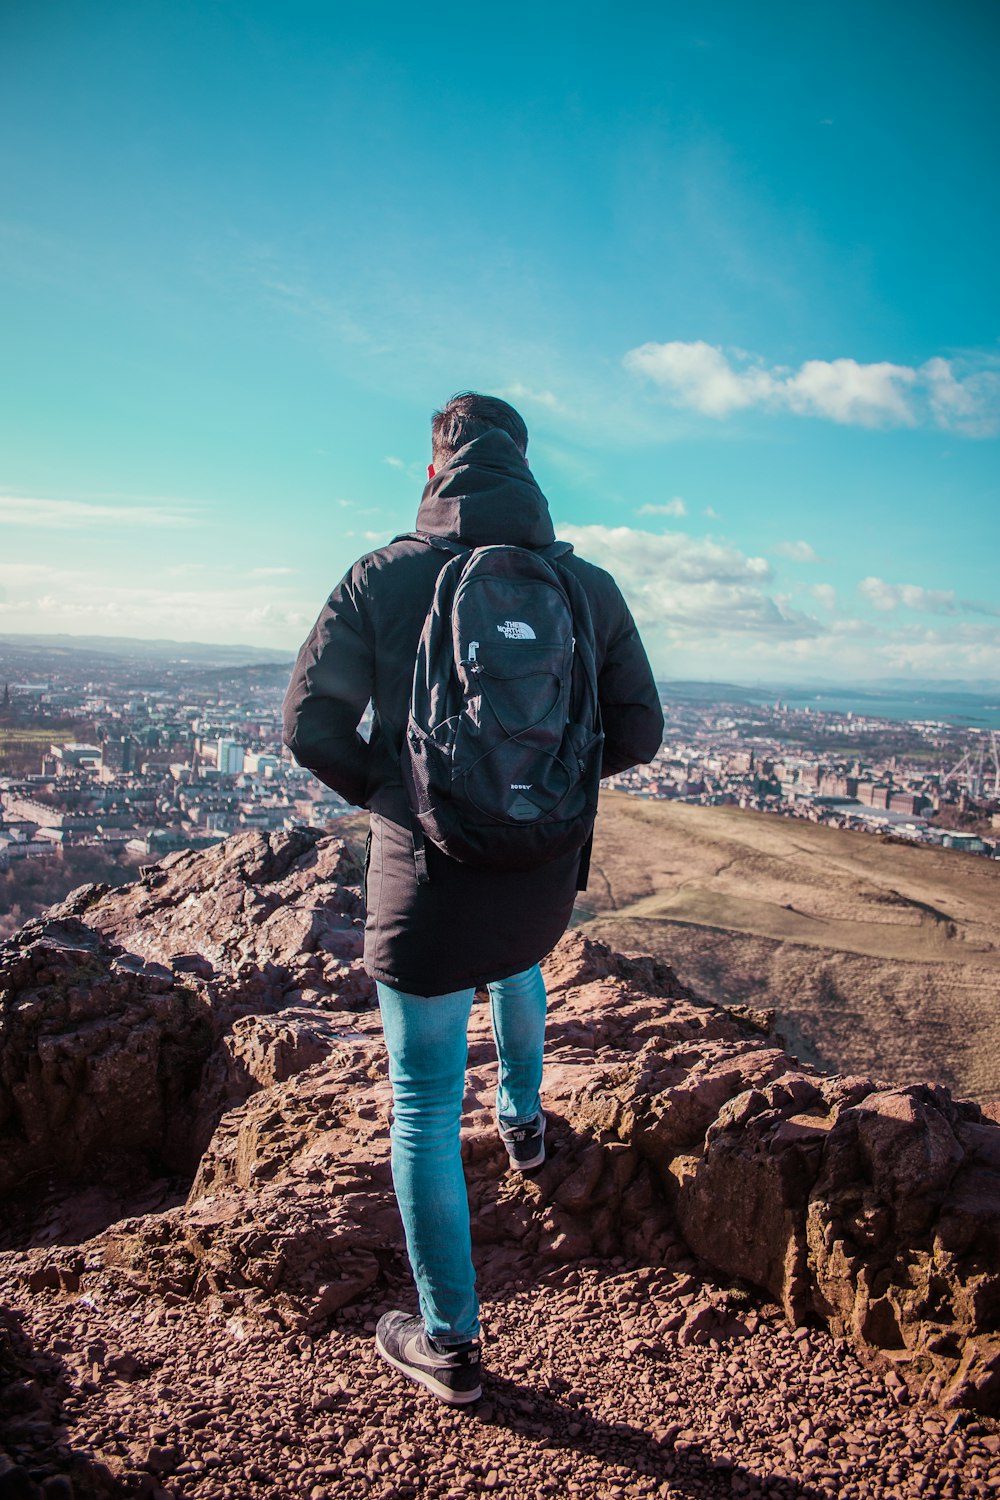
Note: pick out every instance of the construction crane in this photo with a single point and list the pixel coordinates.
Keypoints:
(979, 768)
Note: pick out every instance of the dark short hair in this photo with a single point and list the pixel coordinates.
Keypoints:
(468, 415)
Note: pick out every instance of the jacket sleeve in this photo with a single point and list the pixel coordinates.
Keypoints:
(331, 686)
(630, 703)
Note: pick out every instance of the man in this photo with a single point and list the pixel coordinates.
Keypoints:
(430, 943)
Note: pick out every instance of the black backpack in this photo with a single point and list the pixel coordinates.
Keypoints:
(502, 754)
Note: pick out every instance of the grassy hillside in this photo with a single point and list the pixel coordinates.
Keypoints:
(879, 957)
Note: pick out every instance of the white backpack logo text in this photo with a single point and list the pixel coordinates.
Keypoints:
(516, 630)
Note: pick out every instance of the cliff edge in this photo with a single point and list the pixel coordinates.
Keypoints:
(194, 1115)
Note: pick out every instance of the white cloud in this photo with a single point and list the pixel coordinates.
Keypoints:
(680, 587)
(968, 650)
(707, 610)
(263, 612)
(394, 463)
(20, 510)
(699, 375)
(967, 404)
(519, 392)
(674, 507)
(798, 551)
(269, 572)
(962, 398)
(889, 596)
(847, 392)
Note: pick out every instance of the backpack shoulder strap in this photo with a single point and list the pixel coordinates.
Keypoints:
(555, 550)
(440, 543)
(440, 606)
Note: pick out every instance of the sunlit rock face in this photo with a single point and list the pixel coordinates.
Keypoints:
(211, 1025)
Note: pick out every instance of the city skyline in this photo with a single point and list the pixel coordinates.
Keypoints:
(735, 270)
(124, 768)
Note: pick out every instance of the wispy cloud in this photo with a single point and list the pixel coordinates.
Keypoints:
(959, 396)
(52, 599)
(969, 649)
(21, 510)
(270, 572)
(519, 392)
(888, 597)
(798, 551)
(825, 594)
(414, 472)
(674, 507)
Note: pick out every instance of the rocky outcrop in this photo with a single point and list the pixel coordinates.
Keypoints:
(674, 1126)
(874, 1210)
(131, 1019)
(98, 1063)
(262, 917)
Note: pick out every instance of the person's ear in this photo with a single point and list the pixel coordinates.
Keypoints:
(430, 471)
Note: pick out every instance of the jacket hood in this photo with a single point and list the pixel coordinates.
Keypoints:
(486, 495)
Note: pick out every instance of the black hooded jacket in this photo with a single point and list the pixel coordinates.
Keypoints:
(464, 926)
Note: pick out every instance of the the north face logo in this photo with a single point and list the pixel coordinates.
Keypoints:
(516, 630)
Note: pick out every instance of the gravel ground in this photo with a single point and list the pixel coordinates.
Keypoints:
(605, 1380)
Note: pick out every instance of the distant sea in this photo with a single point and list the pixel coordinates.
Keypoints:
(971, 710)
(965, 707)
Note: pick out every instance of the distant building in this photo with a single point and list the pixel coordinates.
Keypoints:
(262, 764)
(70, 758)
(874, 794)
(907, 802)
(118, 755)
(832, 784)
(231, 757)
(969, 842)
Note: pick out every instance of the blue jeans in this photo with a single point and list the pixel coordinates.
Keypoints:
(428, 1048)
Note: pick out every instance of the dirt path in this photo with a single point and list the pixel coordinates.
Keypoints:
(931, 941)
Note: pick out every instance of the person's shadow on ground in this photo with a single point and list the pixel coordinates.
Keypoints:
(537, 1413)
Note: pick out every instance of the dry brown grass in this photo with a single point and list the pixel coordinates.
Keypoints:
(879, 957)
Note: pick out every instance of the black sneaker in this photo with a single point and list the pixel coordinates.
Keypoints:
(450, 1371)
(525, 1142)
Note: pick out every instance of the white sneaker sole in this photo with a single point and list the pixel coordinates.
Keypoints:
(422, 1377)
(536, 1161)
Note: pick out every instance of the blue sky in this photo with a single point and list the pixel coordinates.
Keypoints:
(736, 265)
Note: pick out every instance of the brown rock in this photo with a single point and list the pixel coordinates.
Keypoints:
(218, 988)
(94, 1062)
(130, 1020)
